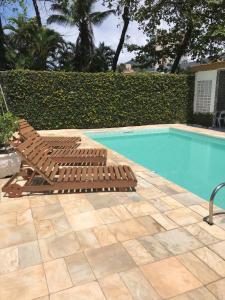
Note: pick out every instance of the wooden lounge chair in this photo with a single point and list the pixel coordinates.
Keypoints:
(45, 175)
(57, 142)
(90, 156)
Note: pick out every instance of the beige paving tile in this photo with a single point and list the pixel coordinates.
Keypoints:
(198, 268)
(85, 220)
(17, 235)
(114, 288)
(219, 248)
(108, 260)
(138, 252)
(214, 230)
(89, 291)
(8, 220)
(107, 216)
(9, 260)
(202, 235)
(154, 247)
(14, 206)
(187, 199)
(79, 269)
(150, 224)
(57, 275)
(160, 274)
(25, 284)
(24, 217)
(121, 212)
(87, 239)
(171, 202)
(61, 225)
(47, 212)
(198, 294)
(142, 208)
(178, 241)
(199, 210)
(104, 236)
(75, 202)
(127, 230)
(43, 200)
(218, 289)
(164, 221)
(159, 205)
(29, 254)
(183, 216)
(58, 246)
(138, 286)
(44, 228)
(151, 193)
(210, 258)
(42, 298)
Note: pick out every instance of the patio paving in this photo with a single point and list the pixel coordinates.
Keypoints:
(146, 245)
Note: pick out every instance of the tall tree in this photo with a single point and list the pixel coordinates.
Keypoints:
(126, 8)
(79, 13)
(102, 59)
(190, 29)
(37, 13)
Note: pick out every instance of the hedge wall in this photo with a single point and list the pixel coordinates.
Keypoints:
(51, 100)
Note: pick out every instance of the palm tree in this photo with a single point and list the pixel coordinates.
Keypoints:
(79, 13)
(102, 59)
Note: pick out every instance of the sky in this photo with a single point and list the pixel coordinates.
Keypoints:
(108, 32)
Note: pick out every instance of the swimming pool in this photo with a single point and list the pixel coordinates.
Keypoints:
(193, 161)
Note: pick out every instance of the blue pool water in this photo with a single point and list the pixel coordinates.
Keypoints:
(193, 161)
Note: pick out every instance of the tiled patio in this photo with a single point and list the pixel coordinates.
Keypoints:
(146, 245)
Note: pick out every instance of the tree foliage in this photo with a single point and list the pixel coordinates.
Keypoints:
(191, 28)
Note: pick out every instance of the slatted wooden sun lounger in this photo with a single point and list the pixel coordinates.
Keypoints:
(45, 175)
(90, 156)
(26, 130)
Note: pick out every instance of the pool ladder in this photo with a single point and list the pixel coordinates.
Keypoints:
(209, 218)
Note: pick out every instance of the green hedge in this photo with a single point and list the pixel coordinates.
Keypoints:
(51, 100)
(203, 119)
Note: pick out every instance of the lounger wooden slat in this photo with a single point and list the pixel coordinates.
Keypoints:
(73, 174)
(54, 172)
(122, 173)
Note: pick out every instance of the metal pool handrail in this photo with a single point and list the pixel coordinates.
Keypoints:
(209, 218)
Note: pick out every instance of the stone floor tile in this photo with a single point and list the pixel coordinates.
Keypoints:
(156, 249)
(25, 284)
(9, 260)
(199, 210)
(169, 277)
(127, 230)
(121, 212)
(187, 199)
(167, 189)
(42, 298)
(104, 236)
(24, 217)
(142, 208)
(14, 206)
(89, 291)
(75, 204)
(218, 289)
(8, 220)
(159, 205)
(150, 225)
(107, 216)
(58, 246)
(214, 230)
(138, 252)
(164, 221)
(44, 228)
(57, 275)
(114, 288)
(87, 239)
(219, 248)
(210, 258)
(17, 235)
(178, 240)
(198, 268)
(108, 260)
(85, 220)
(61, 225)
(43, 200)
(171, 202)
(29, 254)
(183, 216)
(150, 193)
(202, 235)
(138, 286)
(201, 293)
(47, 212)
(135, 197)
(98, 201)
(79, 269)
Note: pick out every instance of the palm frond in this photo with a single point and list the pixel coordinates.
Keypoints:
(59, 19)
(98, 17)
(59, 8)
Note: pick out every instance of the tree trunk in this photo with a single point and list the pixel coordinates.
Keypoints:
(126, 21)
(3, 63)
(182, 48)
(37, 12)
